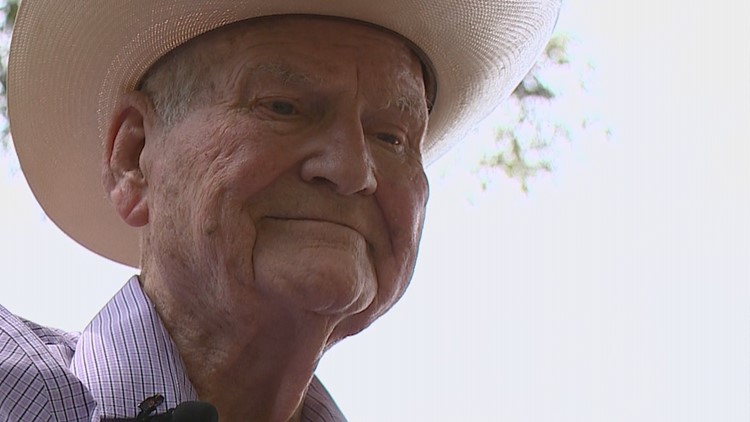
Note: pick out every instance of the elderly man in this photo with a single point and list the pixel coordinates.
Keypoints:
(263, 164)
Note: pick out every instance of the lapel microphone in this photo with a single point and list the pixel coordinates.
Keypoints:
(189, 411)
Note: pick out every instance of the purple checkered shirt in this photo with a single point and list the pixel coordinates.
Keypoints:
(122, 357)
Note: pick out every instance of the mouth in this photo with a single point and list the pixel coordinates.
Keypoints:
(316, 220)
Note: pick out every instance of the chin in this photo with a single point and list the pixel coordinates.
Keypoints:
(328, 292)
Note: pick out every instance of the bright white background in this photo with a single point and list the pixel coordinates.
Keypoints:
(617, 289)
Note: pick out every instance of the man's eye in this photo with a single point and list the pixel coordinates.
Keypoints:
(389, 138)
(283, 108)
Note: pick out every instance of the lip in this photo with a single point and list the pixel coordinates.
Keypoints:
(320, 220)
(365, 236)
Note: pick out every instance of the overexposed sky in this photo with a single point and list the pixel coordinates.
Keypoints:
(617, 289)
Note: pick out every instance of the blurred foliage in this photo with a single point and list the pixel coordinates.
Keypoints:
(8, 10)
(551, 105)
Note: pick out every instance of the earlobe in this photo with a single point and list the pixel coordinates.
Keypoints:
(124, 180)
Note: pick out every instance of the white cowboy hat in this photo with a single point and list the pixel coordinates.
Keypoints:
(70, 61)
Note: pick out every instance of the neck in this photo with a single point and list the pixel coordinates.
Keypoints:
(253, 362)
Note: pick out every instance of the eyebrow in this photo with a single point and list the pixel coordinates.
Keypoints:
(288, 74)
(408, 103)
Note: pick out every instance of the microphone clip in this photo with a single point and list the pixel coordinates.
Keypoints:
(148, 406)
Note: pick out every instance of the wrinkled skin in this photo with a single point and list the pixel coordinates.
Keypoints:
(285, 210)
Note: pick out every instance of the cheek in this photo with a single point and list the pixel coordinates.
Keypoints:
(191, 188)
(403, 205)
(228, 177)
(247, 158)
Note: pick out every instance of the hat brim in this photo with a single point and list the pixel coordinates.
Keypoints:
(71, 61)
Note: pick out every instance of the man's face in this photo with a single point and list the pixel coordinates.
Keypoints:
(298, 181)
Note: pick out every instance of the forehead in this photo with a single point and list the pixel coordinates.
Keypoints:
(307, 31)
(284, 43)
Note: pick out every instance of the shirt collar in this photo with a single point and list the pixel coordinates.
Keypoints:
(126, 354)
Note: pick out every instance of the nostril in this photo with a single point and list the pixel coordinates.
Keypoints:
(341, 164)
(344, 185)
(318, 180)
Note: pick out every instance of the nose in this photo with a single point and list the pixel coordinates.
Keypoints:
(340, 157)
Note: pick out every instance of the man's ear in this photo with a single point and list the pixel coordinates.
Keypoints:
(124, 181)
